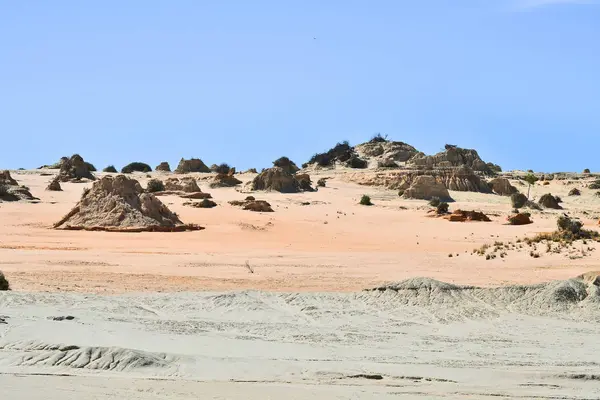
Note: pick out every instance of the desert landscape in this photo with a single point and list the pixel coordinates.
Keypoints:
(370, 271)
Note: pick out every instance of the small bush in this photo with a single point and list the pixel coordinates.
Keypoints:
(435, 201)
(111, 169)
(365, 200)
(223, 169)
(340, 152)
(3, 190)
(136, 167)
(586, 171)
(518, 200)
(90, 167)
(377, 138)
(155, 185)
(442, 208)
(575, 192)
(401, 192)
(4, 285)
(566, 224)
(321, 182)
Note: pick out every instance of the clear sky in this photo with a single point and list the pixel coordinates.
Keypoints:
(245, 82)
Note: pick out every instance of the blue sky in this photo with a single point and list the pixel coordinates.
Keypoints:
(245, 82)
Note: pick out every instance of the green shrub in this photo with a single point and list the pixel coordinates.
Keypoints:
(90, 166)
(136, 167)
(365, 200)
(4, 285)
(155, 185)
(223, 169)
(435, 201)
(586, 171)
(111, 169)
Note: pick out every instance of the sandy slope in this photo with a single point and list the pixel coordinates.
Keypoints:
(331, 244)
(420, 340)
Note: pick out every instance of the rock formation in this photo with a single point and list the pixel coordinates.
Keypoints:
(519, 219)
(251, 204)
(276, 179)
(225, 180)
(426, 187)
(549, 201)
(463, 216)
(452, 156)
(163, 167)
(188, 185)
(463, 179)
(10, 189)
(191, 165)
(55, 165)
(502, 187)
(75, 169)
(54, 185)
(286, 164)
(205, 203)
(305, 182)
(386, 152)
(118, 204)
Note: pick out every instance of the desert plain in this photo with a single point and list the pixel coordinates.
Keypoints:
(323, 298)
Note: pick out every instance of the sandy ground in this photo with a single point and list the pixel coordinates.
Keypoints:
(333, 244)
(300, 326)
(422, 341)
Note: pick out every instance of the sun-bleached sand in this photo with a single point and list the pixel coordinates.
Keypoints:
(301, 326)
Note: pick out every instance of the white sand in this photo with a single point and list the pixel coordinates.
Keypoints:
(423, 340)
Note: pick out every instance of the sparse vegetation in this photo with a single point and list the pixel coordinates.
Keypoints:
(136, 167)
(531, 179)
(595, 185)
(3, 190)
(365, 200)
(340, 152)
(321, 182)
(442, 208)
(4, 285)
(568, 231)
(111, 169)
(586, 171)
(223, 168)
(155, 185)
(90, 166)
(378, 138)
(435, 201)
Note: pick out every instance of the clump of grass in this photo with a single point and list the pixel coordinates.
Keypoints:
(4, 285)
(365, 200)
